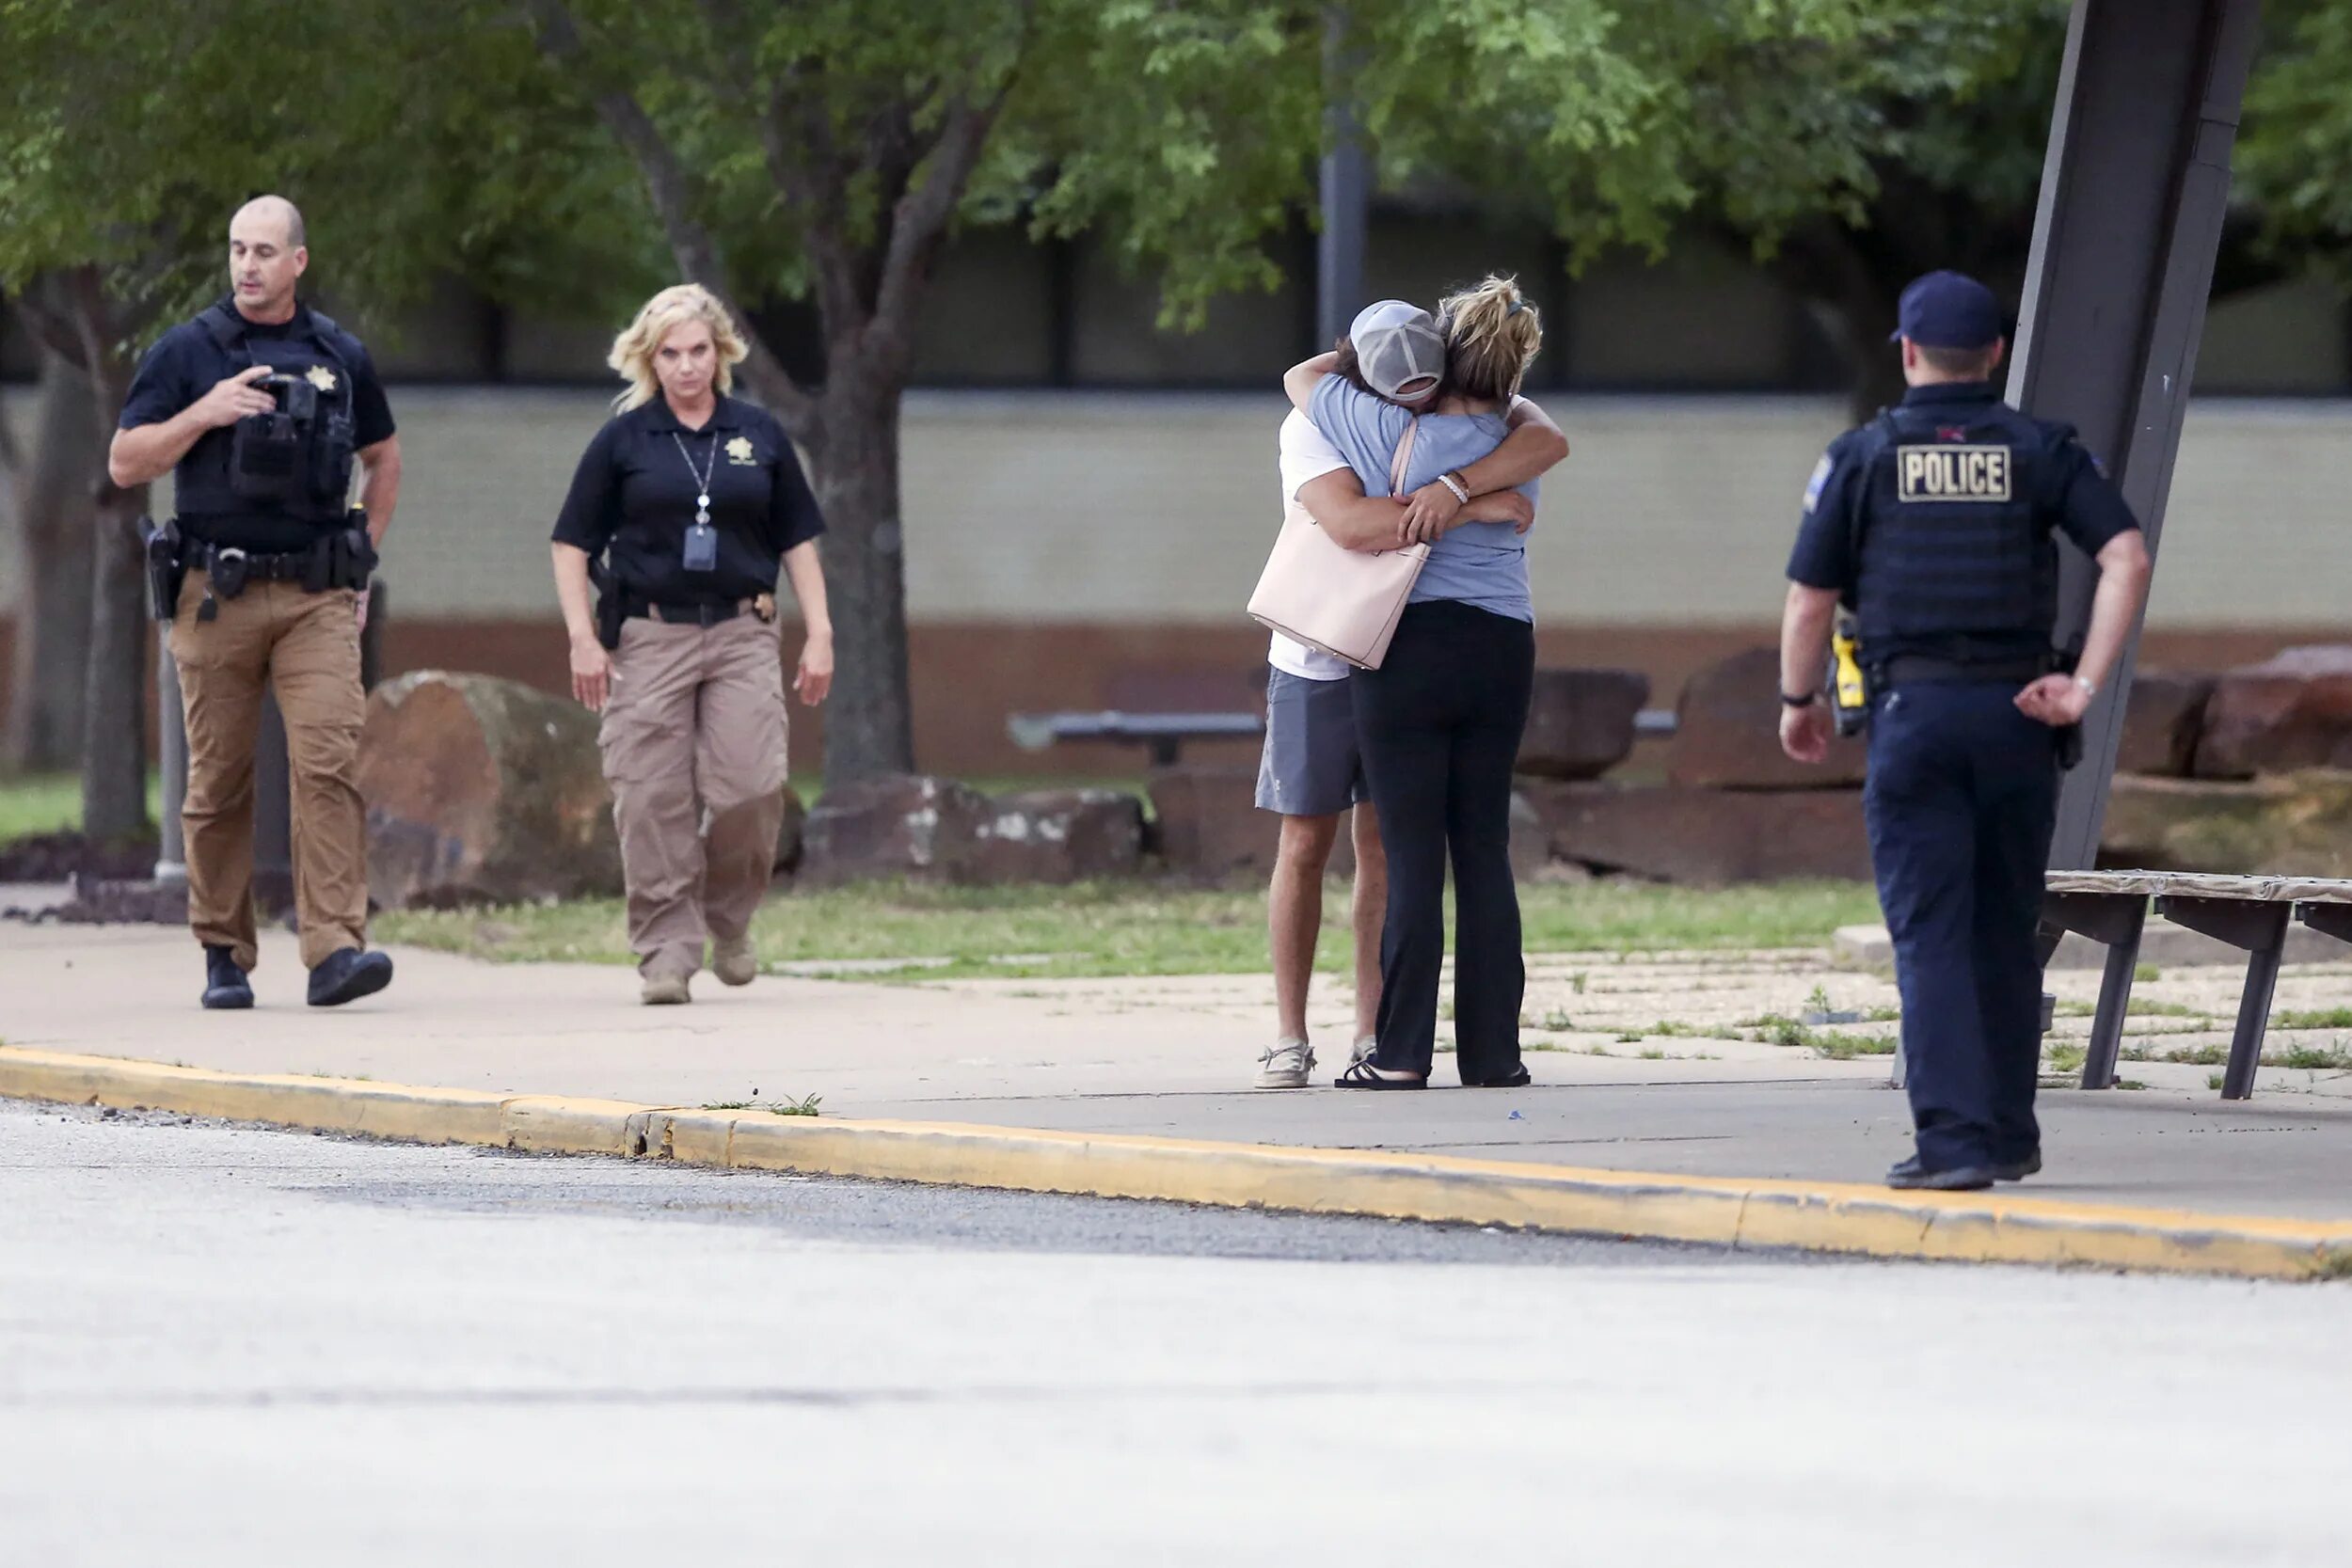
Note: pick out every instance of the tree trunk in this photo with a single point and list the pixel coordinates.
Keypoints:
(114, 751)
(57, 498)
(854, 472)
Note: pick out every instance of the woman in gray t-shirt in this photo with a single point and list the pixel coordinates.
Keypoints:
(1440, 720)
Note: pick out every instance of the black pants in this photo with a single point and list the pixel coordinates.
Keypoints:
(1960, 803)
(1439, 722)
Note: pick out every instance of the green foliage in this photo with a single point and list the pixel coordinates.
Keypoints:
(417, 140)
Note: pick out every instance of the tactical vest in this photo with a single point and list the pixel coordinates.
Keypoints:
(296, 462)
(1954, 545)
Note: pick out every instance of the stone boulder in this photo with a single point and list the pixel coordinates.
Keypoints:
(1580, 723)
(482, 790)
(2164, 718)
(1063, 835)
(2298, 825)
(1206, 823)
(2293, 711)
(898, 825)
(1707, 837)
(1727, 734)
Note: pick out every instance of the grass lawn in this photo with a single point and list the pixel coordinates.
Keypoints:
(1110, 929)
(36, 803)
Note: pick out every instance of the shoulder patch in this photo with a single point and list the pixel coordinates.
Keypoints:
(1814, 486)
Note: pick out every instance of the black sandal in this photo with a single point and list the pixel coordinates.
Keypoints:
(1361, 1076)
(1515, 1079)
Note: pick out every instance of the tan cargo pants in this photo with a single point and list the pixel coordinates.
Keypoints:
(693, 742)
(306, 646)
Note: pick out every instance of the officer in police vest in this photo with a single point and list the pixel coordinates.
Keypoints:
(1934, 525)
(260, 408)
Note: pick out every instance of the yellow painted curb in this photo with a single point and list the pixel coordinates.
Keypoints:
(1814, 1216)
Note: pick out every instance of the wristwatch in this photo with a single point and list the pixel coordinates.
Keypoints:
(1807, 701)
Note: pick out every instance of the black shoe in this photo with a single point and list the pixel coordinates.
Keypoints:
(225, 985)
(2017, 1170)
(1911, 1176)
(1515, 1079)
(348, 975)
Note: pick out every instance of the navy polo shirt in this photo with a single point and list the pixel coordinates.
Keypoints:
(634, 493)
(187, 362)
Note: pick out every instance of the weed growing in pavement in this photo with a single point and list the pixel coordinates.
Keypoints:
(1816, 1001)
(2316, 1059)
(2324, 1018)
(1575, 982)
(2147, 971)
(1775, 1029)
(2213, 1079)
(2141, 1007)
(807, 1106)
(2075, 1009)
(1652, 1055)
(2067, 1059)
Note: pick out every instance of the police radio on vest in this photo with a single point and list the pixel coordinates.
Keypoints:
(1943, 473)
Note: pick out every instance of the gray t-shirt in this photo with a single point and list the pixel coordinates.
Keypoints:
(1478, 563)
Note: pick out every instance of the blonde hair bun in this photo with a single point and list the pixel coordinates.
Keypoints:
(1492, 334)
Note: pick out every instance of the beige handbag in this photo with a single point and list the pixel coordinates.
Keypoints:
(1344, 602)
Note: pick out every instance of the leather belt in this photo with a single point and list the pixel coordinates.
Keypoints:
(709, 615)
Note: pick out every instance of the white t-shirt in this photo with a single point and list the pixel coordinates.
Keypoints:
(1306, 455)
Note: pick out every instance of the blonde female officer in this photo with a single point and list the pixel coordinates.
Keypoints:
(691, 498)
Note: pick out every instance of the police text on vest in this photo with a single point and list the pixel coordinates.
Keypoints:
(1941, 473)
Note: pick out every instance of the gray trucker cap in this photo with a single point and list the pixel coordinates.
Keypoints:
(1396, 344)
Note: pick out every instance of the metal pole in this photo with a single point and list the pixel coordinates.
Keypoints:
(1347, 192)
(2133, 196)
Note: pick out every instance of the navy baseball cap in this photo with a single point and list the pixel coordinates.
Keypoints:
(1948, 310)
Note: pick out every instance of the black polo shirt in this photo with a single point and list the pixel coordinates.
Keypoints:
(187, 362)
(634, 495)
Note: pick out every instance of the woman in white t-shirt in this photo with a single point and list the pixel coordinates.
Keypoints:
(1311, 771)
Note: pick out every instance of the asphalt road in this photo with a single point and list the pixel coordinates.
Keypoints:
(224, 1344)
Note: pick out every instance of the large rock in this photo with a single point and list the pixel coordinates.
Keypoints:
(1581, 722)
(2294, 711)
(1206, 823)
(2162, 721)
(1727, 734)
(1709, 837)
(898, 825)
(482, 790)
(2296, 825)
(1064, 835)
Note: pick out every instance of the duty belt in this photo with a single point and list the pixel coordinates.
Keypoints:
(705, 615)
(1920, 667)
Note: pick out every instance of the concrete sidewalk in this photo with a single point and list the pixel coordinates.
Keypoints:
(1173, 1057)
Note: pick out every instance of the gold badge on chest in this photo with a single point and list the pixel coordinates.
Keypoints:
(739, 452)
(321, 377)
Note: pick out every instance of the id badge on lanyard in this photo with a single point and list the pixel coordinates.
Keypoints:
(702, 540)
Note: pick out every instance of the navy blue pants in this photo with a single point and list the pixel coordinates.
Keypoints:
(1961, 800)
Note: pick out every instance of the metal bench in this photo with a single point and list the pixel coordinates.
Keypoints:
(2250, 913)
(1165, 733)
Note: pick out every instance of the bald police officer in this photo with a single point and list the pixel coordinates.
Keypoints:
(1934, 524)
(260, 408)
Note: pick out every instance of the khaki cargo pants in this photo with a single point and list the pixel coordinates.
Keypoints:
(306, 646)
(693, 742)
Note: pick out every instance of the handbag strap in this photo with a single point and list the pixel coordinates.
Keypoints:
(1403, 460)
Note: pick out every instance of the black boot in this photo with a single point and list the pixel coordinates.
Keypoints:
(225, 985)
(348, 975)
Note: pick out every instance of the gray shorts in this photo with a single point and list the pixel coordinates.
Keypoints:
(1312, 765)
